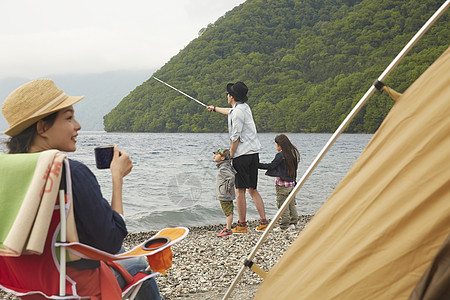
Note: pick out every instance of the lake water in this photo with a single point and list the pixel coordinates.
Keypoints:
(173, 179)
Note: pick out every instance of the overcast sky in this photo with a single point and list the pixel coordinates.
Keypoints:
(42, 37)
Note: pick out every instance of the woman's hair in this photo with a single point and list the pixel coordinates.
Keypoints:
(290, 152)
(22, 142)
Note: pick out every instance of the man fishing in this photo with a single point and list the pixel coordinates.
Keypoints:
(244, 150)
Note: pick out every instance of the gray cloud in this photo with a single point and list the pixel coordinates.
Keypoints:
(84, 36)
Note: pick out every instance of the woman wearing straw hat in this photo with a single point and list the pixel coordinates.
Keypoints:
(41, 117)
(244, 152)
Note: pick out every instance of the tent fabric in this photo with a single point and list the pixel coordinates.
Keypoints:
(435, 282)
(386, 220)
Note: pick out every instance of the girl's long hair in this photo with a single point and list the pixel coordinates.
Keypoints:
(290, 152)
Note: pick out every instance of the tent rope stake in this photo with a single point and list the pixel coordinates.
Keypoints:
(255, 268)
(334, 137)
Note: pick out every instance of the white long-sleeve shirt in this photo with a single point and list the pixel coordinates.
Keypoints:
(241, 125)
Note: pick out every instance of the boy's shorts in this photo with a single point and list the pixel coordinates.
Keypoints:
(227, 207)
(246, 167)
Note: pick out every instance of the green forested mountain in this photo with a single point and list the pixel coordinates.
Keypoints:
(306, 63)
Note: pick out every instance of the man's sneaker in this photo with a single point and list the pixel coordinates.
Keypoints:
(262, 225)
(240, 228)
(292, 227)
(225, 232)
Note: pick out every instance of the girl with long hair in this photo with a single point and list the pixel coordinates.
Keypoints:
(284, 168)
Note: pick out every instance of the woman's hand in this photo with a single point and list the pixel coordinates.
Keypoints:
(211, 108)
(121, 164)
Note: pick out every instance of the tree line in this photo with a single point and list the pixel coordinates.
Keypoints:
(306, 63)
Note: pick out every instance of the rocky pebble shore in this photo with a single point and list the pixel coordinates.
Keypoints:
(205, 265)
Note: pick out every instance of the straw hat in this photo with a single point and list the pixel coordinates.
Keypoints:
(33, 101)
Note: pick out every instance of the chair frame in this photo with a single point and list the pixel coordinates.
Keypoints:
(63, 237)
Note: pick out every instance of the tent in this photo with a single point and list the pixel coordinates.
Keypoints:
(384, 223)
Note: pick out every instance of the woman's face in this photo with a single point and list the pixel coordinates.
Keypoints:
(64, 131)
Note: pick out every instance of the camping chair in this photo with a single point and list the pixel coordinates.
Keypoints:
(35, 227)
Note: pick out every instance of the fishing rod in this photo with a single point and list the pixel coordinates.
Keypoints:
(180, 91)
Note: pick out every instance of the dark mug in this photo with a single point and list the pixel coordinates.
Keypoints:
(104, 156)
